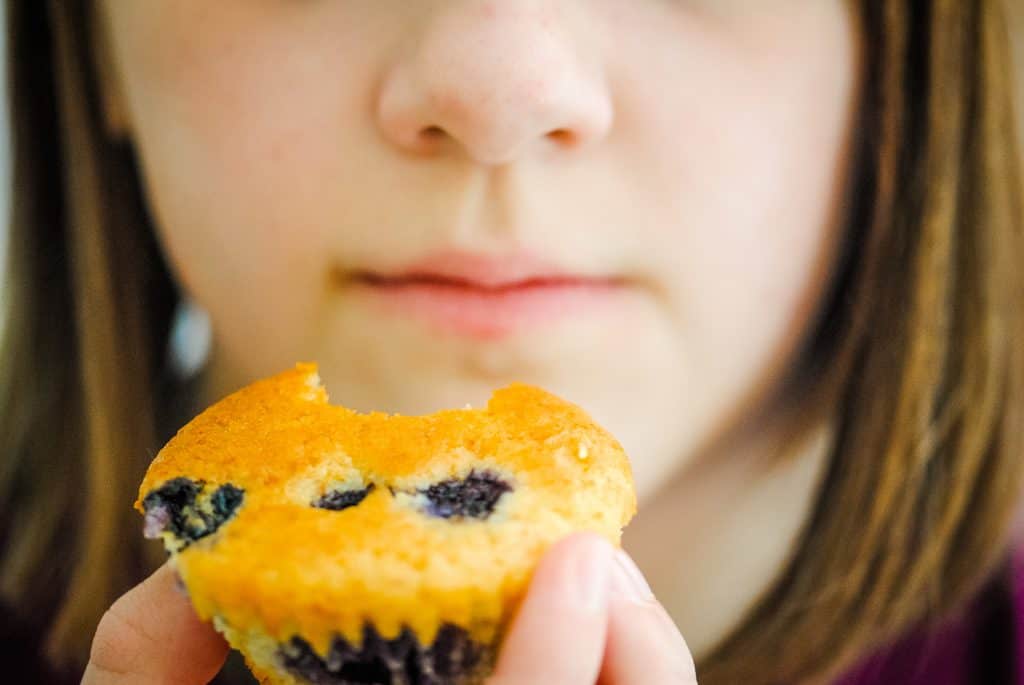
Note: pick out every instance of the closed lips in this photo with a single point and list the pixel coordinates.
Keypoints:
(536, 282)
(483, 297)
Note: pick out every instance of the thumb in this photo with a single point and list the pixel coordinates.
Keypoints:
(152, 635)
(558, 634)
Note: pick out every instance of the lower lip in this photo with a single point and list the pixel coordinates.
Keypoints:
(488, 313)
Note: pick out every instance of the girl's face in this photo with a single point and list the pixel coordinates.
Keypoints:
(633, 203)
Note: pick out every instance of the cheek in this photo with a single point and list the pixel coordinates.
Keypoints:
(753, 156)
(229, 238)
(239, 158)
(227, 151)
(761, 244)
(230, 247)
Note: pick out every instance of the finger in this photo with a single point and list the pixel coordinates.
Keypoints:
(557, 636)
(152, 635)
(644, 645)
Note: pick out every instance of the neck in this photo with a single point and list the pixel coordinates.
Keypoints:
(712, 541)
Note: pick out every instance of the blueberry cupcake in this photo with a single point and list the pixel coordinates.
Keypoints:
(331, 546)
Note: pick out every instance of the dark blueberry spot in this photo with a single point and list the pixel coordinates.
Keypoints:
(174, 507)
(225, 500)
(474, 496)
(336, 500)
(398, 661)
(176, 494)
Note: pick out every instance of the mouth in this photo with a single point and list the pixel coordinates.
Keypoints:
(484, 296)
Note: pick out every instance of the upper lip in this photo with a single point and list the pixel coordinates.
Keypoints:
(486, 271)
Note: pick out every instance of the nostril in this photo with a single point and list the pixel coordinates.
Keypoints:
(429, 139)
(563, 136)
(432, 137)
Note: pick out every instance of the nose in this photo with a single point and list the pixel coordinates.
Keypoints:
(494, 80)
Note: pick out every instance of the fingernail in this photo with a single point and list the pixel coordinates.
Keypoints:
(591, 575)
(628, 581)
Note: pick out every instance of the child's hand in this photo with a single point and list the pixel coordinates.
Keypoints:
(590, 617)
(151, 635)
(584, 617)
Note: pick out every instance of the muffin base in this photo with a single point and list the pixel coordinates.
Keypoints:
(451, 659)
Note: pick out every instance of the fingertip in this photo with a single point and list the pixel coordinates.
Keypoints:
(152, 632)
(576, 568)
(583, 540)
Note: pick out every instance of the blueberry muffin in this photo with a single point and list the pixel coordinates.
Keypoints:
(331, 546)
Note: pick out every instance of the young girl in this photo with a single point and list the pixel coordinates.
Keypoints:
(775, 247)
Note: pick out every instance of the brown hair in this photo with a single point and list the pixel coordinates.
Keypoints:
(918, 350)
(88, 308)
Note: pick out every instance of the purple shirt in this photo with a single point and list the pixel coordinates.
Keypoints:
(983, 647)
